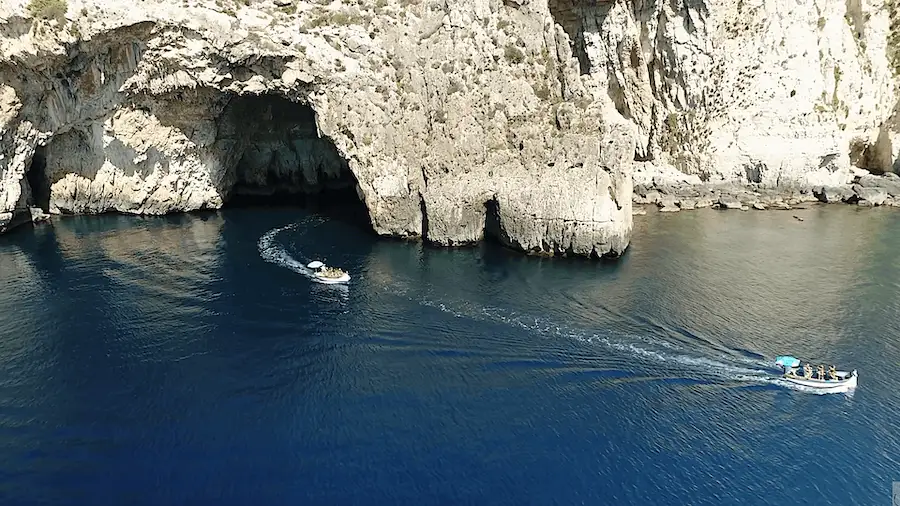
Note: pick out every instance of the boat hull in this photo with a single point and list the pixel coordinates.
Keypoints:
(827, 386)
(332, 281)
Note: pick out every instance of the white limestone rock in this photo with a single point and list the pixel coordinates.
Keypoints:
(434, 111)
(772, 93)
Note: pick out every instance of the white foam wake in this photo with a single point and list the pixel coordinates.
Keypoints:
(634, 345)
(272, 252)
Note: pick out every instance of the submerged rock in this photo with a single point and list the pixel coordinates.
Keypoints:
(870, 197)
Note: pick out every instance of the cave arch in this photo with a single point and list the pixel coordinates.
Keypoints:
(280, 159)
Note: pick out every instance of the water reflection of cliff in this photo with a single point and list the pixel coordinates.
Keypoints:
(174, 240)
(156, 273)
(22, 291)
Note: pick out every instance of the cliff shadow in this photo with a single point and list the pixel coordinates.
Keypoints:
(281, 160)
(38, 181)
(569, 14)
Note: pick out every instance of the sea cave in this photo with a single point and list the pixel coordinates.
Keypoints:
(283, 160)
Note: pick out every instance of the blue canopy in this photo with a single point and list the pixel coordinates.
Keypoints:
(787, 361)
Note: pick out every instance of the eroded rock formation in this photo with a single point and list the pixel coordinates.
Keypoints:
(527, 120)
(766, 103)
(437, 112)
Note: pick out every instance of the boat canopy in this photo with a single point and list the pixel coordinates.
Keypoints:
(315, 264)
(787, 361)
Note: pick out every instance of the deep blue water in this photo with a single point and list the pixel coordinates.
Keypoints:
(188, 360)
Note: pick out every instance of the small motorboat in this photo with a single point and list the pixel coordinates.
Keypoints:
(328, 275)
(832, 382)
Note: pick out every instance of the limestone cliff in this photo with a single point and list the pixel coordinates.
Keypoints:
(791, 96)
(451, 119)
(527, 120)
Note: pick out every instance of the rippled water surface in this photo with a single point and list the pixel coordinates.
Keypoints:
(191, 360)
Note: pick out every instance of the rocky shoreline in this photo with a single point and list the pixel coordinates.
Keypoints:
(539, 123)
(865, 189)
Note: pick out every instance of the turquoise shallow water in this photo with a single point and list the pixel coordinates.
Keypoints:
(190, 360)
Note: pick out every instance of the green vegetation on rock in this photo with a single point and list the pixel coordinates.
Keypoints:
(48, 9)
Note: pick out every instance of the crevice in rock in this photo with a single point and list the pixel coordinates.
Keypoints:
(282, 160)
(37, 179)
(754, 172)
(875, 157)
(568, 14)
(493, 230)
(424, 212)
(855, 19)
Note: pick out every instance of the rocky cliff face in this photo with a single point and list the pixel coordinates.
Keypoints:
(526, 120)
(451, 119)
(791, 97)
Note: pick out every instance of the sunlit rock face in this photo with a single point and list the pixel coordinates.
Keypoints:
(773, 94)
(435, 112)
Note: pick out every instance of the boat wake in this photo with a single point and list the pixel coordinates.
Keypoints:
(273, 252)
(627, 346)
(678, 358)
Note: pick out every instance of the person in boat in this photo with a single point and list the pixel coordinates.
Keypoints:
(807, 371)
(332, 272)
(832, 373)
(820, 372)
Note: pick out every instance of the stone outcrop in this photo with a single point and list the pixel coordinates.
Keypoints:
(524, 120)
(864, 189)
(759, 97)
(450, 119)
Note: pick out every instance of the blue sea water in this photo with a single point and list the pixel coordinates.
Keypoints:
(191, 360)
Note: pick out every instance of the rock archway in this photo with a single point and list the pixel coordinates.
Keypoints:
(191, 150)
(281, 158)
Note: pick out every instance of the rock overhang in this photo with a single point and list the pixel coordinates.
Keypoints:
(495, 121)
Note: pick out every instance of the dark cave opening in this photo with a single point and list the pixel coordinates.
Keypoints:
(39, 184)
(493, 232)
(282, 161)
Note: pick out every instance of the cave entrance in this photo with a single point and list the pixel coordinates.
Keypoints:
(282, 161)
(38, 182)
(493, 231)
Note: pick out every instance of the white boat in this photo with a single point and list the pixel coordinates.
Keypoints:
(328, 275)
(842, 381)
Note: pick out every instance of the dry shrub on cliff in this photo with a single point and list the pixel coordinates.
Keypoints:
(893, 38)
(48, 9)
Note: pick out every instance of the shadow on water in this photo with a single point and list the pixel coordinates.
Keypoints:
(341, 205)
